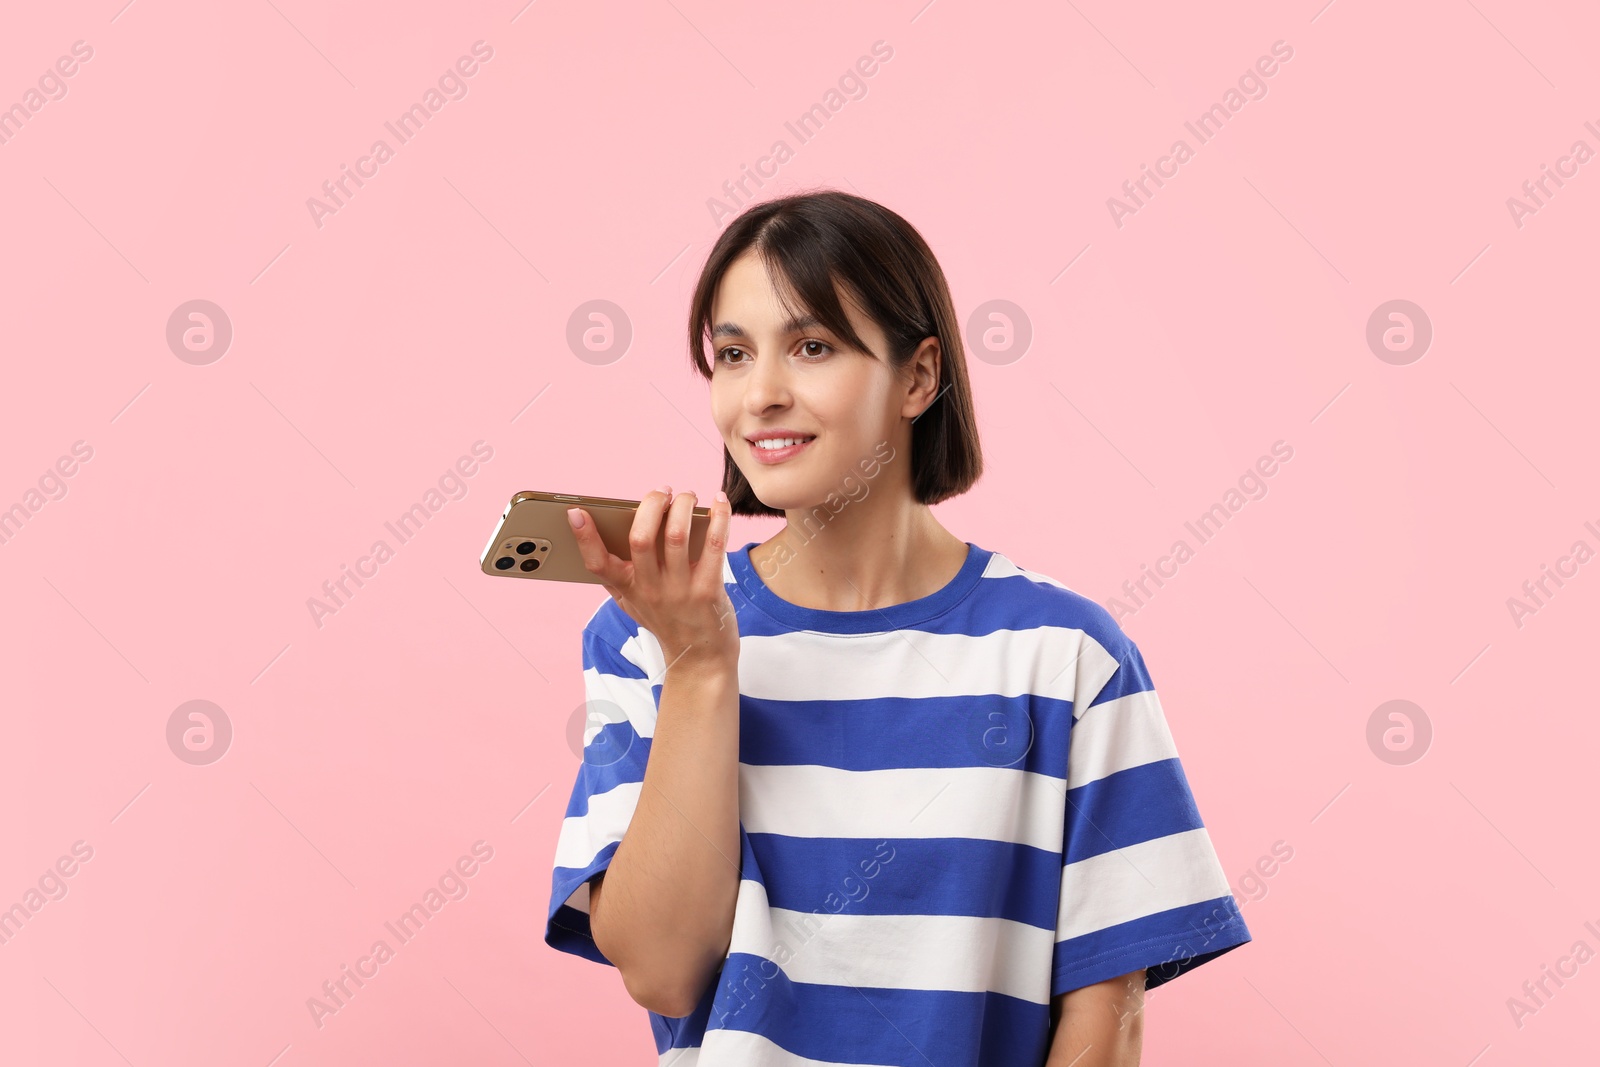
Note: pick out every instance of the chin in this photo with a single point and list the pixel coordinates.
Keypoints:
(784, 499)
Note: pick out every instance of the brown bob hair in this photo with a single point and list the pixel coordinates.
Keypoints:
(811, 242)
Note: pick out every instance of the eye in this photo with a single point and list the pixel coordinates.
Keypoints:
(723, 352)
(805, 345)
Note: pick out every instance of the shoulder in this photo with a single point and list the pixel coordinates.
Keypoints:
(1095, 646)
(1038, 599)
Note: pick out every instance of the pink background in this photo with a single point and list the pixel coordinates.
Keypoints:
(431, 311)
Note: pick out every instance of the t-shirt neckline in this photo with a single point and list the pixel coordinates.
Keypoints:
(869, 620)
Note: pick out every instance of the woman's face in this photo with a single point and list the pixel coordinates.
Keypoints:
(775, 378)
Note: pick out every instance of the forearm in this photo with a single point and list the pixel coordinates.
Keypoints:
(1093, 1046)
(1099, 1025)
(665, 913)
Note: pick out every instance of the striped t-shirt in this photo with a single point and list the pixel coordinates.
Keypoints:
(951, 810)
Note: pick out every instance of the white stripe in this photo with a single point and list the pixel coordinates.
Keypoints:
(1057, 662)
(988, 803)
(633, 696)
(583, 836)
(1096, 670)
(644, 651)
(1043, 660)
(748, 1050)
(964, 953)
(1001, 566)
(1126, 732)
(612, 698)
(1139, 880)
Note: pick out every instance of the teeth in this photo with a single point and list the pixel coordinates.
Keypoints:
(772, 443)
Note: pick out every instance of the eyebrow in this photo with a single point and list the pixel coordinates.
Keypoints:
(793, 325)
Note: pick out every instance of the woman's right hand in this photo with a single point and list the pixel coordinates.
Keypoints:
(683, 604)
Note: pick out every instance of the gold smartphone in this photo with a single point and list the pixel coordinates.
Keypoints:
(533, 539)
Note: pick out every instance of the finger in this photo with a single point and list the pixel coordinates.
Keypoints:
(709, 567)
(642, 536)
(597, 559)
(675, 554)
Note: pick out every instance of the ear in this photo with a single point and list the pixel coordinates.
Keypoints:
(922, 388)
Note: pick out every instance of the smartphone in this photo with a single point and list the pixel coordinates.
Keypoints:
(534, 540)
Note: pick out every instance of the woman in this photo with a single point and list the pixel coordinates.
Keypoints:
(867, 793)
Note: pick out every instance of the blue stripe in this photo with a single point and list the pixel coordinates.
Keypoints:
(567, 928)
(869, 1024)
(1167, 943)
(1128, 807)
(601, 657)
(909, 876)
(1024, 732)
(996, 604)
(607, 632)
(1131, 676)
(614, 756)
(754, 591)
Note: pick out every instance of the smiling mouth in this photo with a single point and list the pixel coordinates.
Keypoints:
(778, 444)
(775, 450)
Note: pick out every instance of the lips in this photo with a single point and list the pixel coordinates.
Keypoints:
(778, 455)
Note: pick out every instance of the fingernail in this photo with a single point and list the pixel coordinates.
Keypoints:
(575, 517)
(722, 498)
(667, 489)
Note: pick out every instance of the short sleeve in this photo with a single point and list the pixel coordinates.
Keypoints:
(620, 717)
(1141, 886)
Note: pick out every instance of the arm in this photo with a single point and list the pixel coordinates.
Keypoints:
(1099, 1025)
(670, 888)
(669, 892)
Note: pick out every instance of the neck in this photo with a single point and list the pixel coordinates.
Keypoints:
(859, 559)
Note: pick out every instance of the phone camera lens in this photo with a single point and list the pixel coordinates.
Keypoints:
(530, 564)
(525, 547)
(505, 563)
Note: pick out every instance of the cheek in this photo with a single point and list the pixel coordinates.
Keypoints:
(724, 410)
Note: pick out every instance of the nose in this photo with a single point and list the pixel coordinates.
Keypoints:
(766, 386)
